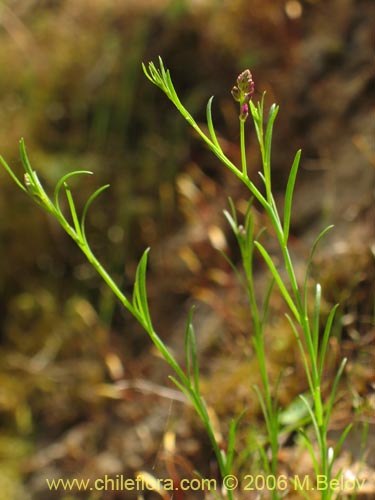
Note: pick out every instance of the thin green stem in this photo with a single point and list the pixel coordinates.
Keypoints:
(243, 149)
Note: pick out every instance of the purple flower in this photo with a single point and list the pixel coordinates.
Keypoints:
(243, 91)
(245, 83)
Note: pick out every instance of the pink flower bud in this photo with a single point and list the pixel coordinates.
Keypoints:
(244, 111)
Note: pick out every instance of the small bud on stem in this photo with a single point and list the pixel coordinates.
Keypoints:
(243, 91)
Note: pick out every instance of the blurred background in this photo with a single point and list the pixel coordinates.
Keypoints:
(82, 391)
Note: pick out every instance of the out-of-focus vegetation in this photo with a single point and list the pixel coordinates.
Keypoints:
(71, 84)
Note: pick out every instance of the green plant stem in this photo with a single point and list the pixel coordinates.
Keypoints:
(243, 149)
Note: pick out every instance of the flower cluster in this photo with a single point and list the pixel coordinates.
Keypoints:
(243, 91)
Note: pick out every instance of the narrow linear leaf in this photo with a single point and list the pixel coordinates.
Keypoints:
(274, 109)
(210, 124)
(73, 212)
(278, 279)
(262, 176)
(25, 159)
(303, 353)
(88, 203)
(317, 434)
(12, 175)
(312, 415)
(232, 440)
(265, 459)
(267, 417)
(234, 269)
(315, 328)
(309, 261)
(140, 291)
(233, 209)
(62, 181)
(188, 343)
(289, 194)
(325, 339)
(254, 111)
(231, 443)
(184, 389)
(341, 440)
(266, 302)
(34, 187)
(194, 359)
(333, 393)
(191, 355)
(231, 221)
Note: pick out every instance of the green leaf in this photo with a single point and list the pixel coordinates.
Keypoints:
(315, 328)
(12, 174)
(140, 292)
(266, 414)
(62, 181)
(333, 392)
(302, 351)
(289, 195)
(341, 440)
(88, 203)
(210, 124)
(266, 302)
(309, 261)
(325, 339)
(231, 221)
(274, 109)
(317, 434)
(278, 279)
(191, 355)
(25, 159)
(73, 211)
(231, 443)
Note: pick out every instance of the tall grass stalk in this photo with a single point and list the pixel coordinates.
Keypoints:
(306, 325)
